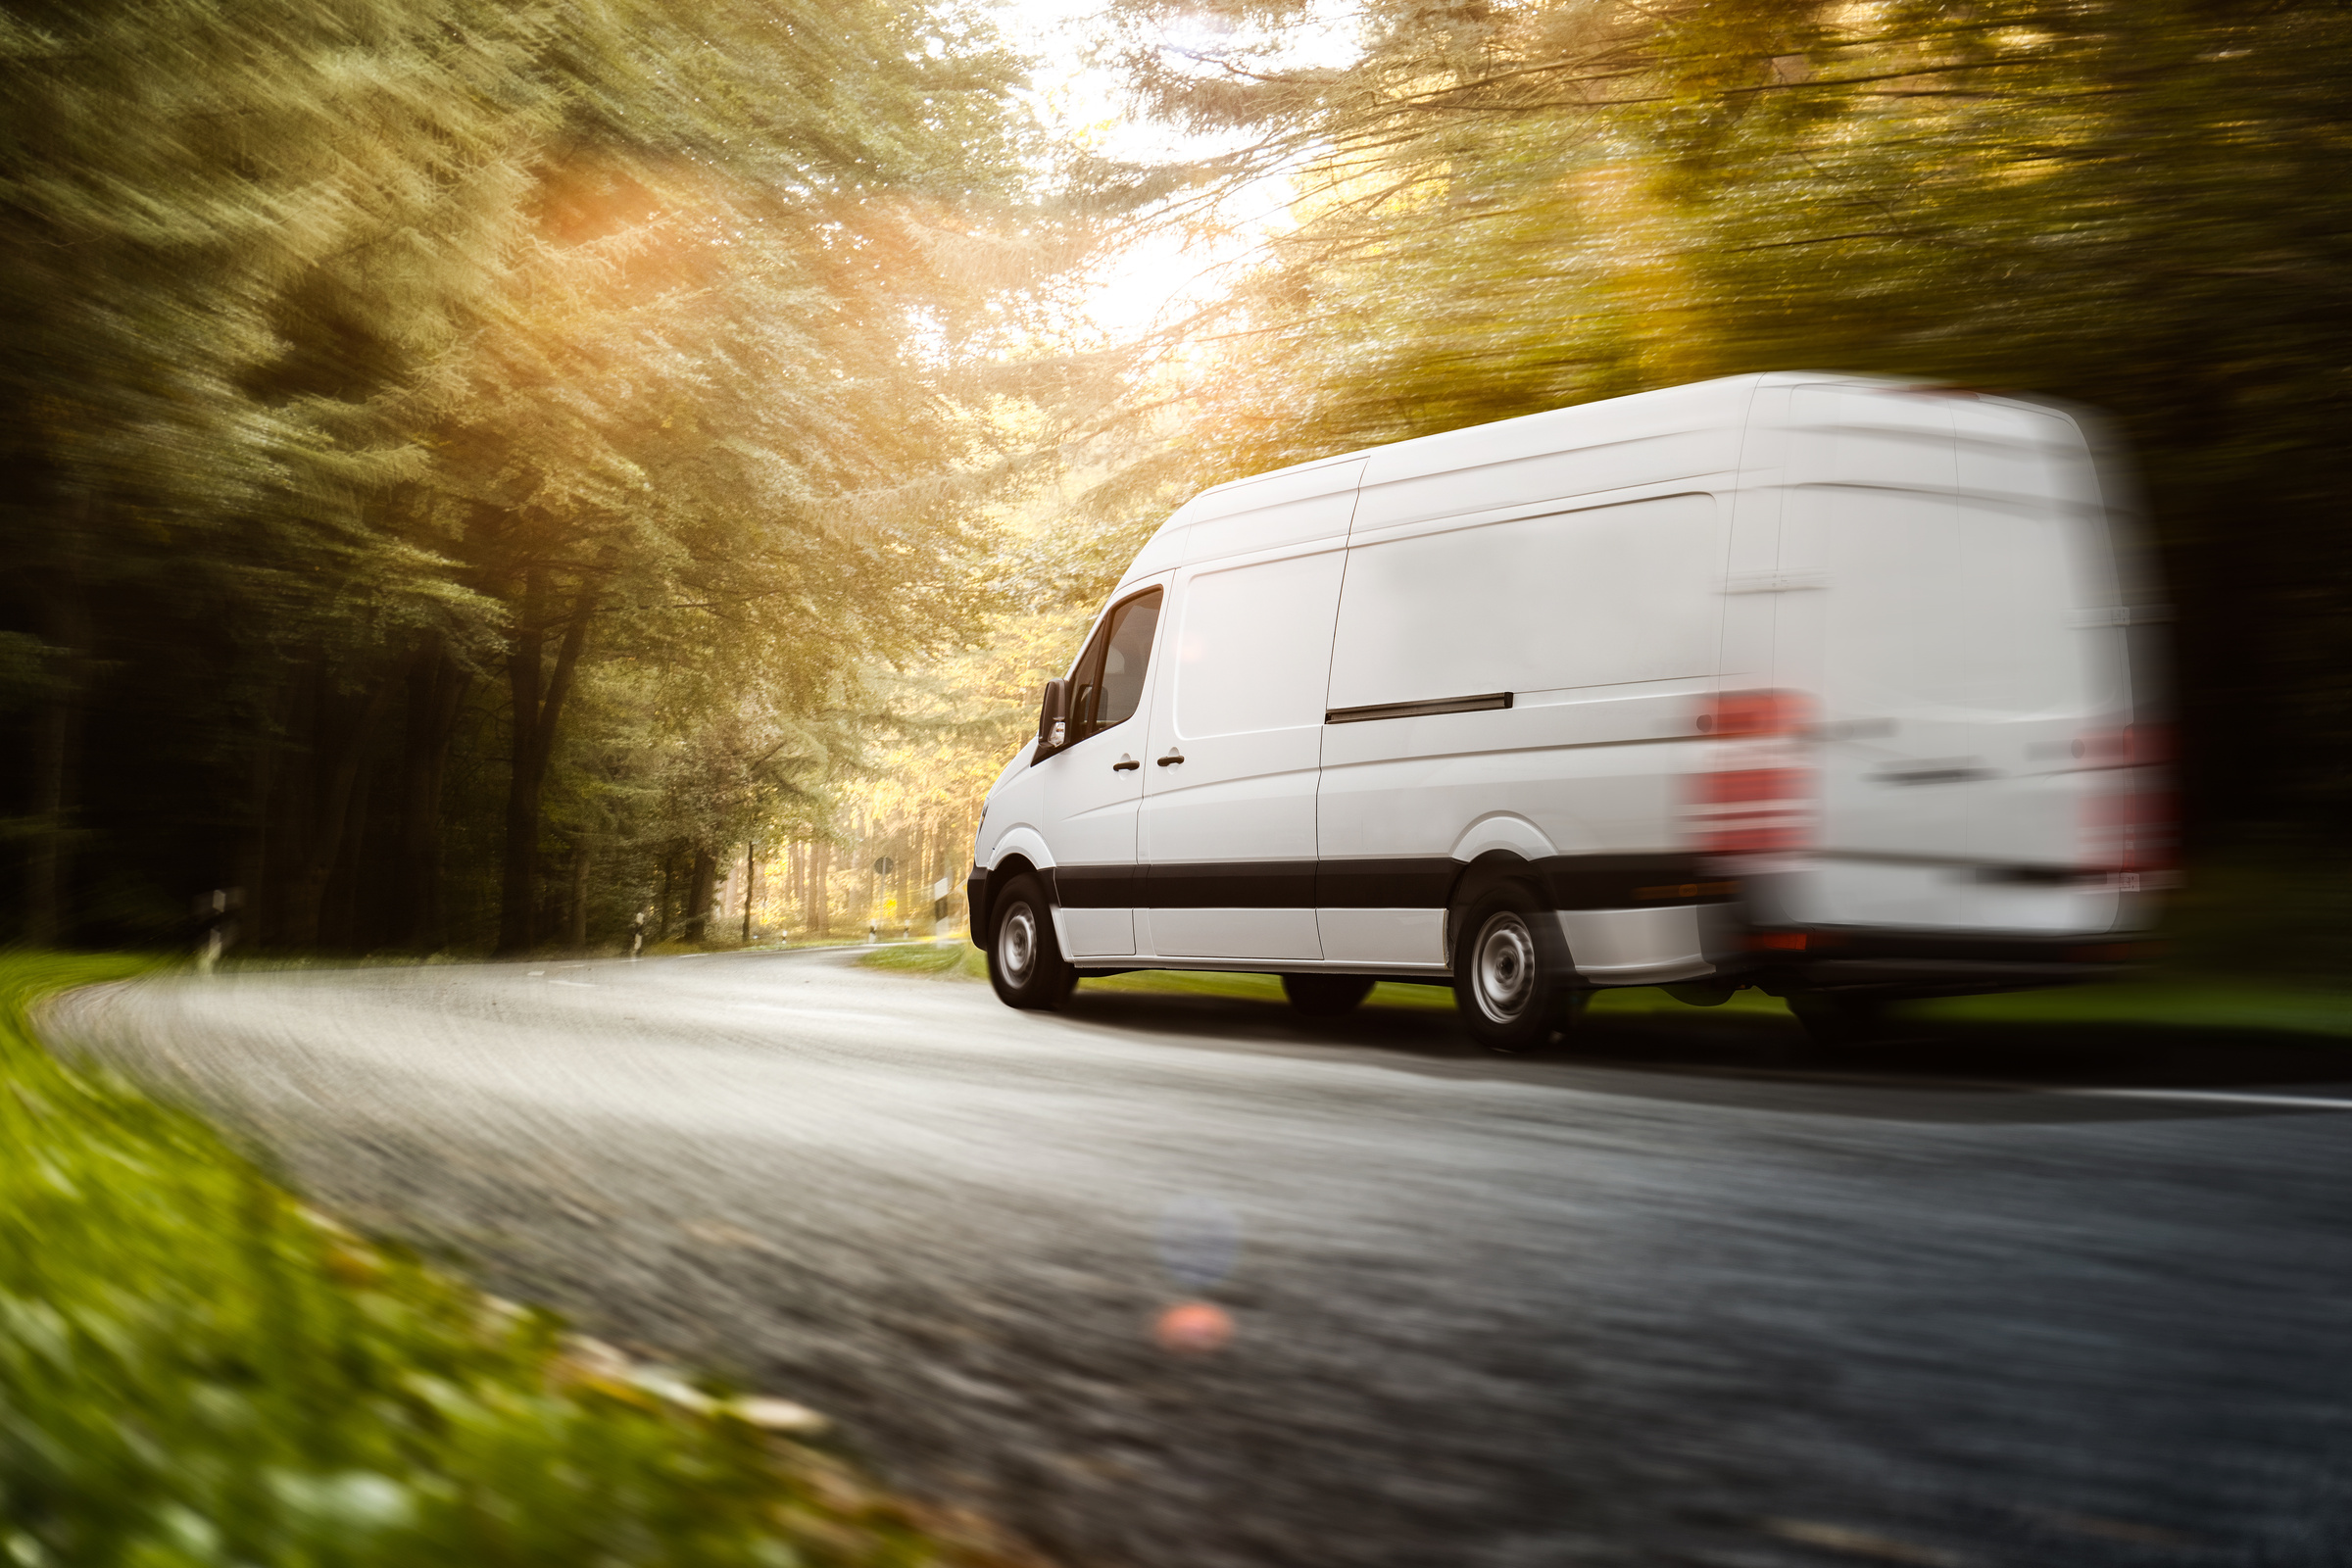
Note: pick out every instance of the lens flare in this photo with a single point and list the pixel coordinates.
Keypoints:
(1193, 1328)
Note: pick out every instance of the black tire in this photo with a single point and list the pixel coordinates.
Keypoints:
(1841, 1020)
(1326, 996)
(1512, 979)
(1024, 960)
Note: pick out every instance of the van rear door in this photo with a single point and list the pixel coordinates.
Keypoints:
(1945, 597)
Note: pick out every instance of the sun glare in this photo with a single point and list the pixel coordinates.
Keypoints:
(1169, 269)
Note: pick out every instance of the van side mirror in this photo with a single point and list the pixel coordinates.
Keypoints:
(1053, 718)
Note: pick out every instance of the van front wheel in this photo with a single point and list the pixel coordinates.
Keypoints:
(1024, 960)
(1511, 976)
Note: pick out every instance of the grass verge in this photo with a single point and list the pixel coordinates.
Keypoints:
(196, 1370)
(948, 960)
(2178, 1001)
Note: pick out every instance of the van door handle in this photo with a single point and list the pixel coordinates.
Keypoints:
(1124, 763)
(1172, 757)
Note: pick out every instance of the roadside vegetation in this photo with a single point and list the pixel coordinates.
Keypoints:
(2169, 998)
(195, 1369)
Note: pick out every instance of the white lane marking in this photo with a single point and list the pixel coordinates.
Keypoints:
(2216, 1096)
(585, 985)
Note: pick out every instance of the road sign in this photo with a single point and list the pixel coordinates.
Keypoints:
(883, 865)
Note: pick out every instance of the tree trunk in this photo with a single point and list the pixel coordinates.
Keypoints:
(56, 760)
(703, 881)
(340, 919)
(254, 862)
(436, 694)
(751, 872)
(579, 894)
(537, 695)
(820, 888)
(341, 727)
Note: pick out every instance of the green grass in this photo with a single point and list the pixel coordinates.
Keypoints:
(2181, 1002)
(953, 959)
(2186, 1003)
(196, 1370)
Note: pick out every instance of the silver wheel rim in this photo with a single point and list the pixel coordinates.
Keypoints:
(1503, 969)
(1016, 944)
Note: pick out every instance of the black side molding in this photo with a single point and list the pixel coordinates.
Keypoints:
(1443, 705)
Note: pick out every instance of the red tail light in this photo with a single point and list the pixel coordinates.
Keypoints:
(1756, 714)
(1758, 794)
(2131, 818)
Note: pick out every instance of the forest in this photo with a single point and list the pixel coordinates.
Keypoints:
(499, 477)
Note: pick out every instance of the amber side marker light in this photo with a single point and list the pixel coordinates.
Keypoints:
(1688, 890)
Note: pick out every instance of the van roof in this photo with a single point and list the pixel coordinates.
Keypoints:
(1716, 404)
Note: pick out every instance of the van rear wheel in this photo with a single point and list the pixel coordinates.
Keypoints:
(1024, 959)
(1511, 975)
(1326, 996)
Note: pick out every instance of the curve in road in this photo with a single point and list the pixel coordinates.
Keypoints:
(1673, 1308)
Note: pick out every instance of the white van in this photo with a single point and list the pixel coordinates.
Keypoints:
(1813, 682)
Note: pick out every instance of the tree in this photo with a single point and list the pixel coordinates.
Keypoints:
(382, 376)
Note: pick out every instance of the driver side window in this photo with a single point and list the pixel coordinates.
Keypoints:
(1108, 683)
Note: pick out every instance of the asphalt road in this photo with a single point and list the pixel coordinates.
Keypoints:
(2073, 1301)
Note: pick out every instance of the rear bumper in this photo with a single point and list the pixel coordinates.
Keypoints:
(1944, 977)
(1927, 963)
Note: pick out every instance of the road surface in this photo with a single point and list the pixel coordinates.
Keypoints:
(2073, 1301)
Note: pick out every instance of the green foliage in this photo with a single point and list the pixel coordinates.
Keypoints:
(574, 406)
(193, 1370)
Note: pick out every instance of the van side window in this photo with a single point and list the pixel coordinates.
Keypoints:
(1107, 682)
(1131, 627)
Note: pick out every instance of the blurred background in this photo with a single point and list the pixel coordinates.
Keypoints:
(490, 478)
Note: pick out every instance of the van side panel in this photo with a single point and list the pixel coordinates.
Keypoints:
(1597, 620)
(1572, 600)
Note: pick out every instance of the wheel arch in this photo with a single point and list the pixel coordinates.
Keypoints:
(1019, 847)
(1007, 868)
(1494, 869)
(1475, 880)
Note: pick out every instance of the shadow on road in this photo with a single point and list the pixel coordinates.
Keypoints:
(1934, 1071)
